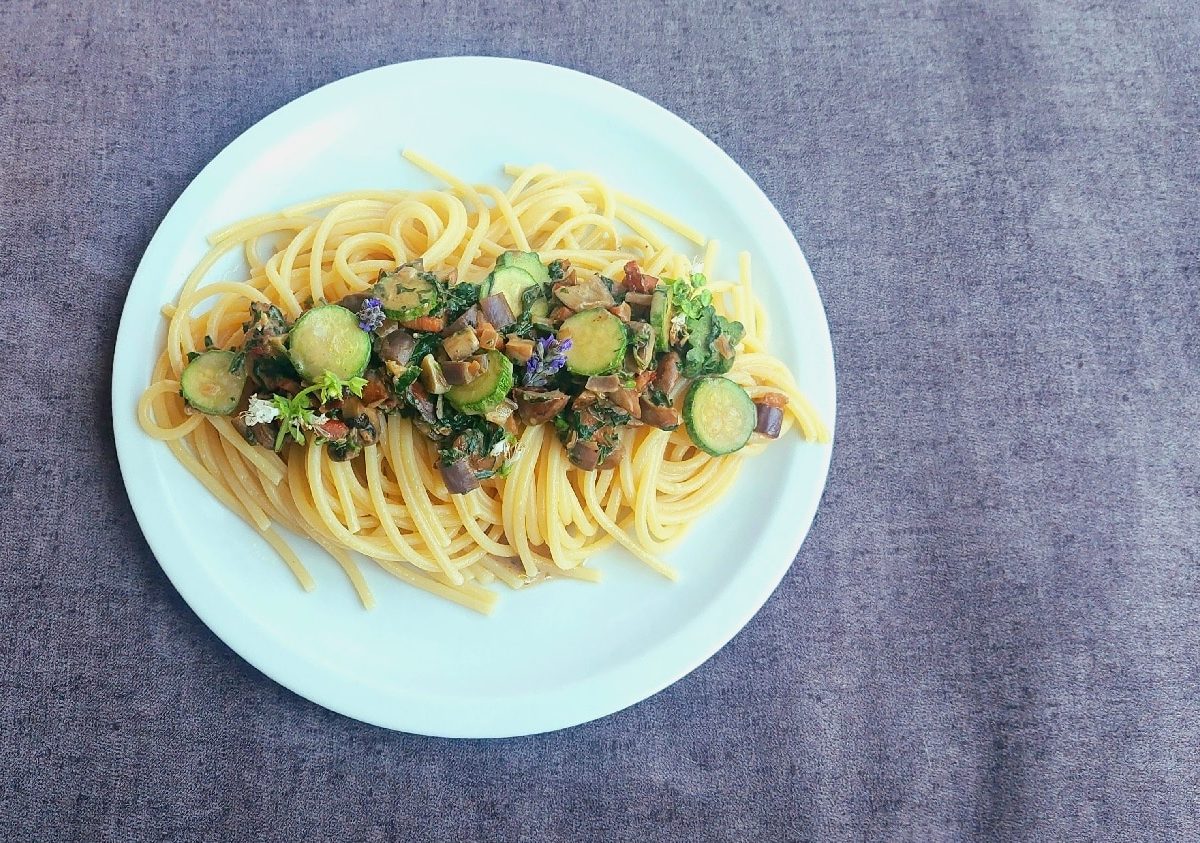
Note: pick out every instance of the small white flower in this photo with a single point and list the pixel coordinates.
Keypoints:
(698, 265)
(260, 412)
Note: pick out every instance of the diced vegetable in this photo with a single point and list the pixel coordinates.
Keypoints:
(432, 377)
(459, 372)
(487, 391)
(397, 346)
(769, 420)
(511, 282)
(719, 415)
(660, 318)
(328, 339)
(519, 349)
(213, 382)
(497, 311)
(468, 319)
(426, 324)
(598, 341)
(406, 294)
(528, 261)
(461, 344)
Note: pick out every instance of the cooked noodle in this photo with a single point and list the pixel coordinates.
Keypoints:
(547, 517)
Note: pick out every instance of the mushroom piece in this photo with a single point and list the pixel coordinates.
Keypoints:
(664, 418)
(538, 407)
(604, 383)
(668, 373)
(627, 400)
(397, 347)
(621, 311)
(262, 433)
(613, 458)
(585, 454)
(639, 299)
(354, 301)
(590, 293)
(458, 477)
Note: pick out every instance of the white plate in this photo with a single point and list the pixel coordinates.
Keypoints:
(552, 656)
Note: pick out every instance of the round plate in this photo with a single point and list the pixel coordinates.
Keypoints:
(552, 656)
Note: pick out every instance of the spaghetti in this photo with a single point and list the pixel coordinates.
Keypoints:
(542, 515)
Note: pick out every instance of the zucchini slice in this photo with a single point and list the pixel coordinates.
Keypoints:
(598, 341)
(405, 295)
(328, 339)
(719, 415)
(213, 382)
(660, 318)
(512, 281)
(486, 392)
(528, 261)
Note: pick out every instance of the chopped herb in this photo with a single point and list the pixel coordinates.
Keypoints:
(238, 363)
(297, 415)
(459, 299)
(702, 328)
(331, 388)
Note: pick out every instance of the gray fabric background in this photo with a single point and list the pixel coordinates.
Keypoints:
(991, 632)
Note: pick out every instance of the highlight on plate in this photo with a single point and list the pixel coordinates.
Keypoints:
(470, 385)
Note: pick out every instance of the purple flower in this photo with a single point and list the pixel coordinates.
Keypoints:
(549, 355)
(370, 315)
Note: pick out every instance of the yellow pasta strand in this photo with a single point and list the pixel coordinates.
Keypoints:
(546, 517)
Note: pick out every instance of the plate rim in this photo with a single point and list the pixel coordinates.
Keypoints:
(268, 661)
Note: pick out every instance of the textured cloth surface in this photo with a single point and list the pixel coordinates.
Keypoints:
(991, 632)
